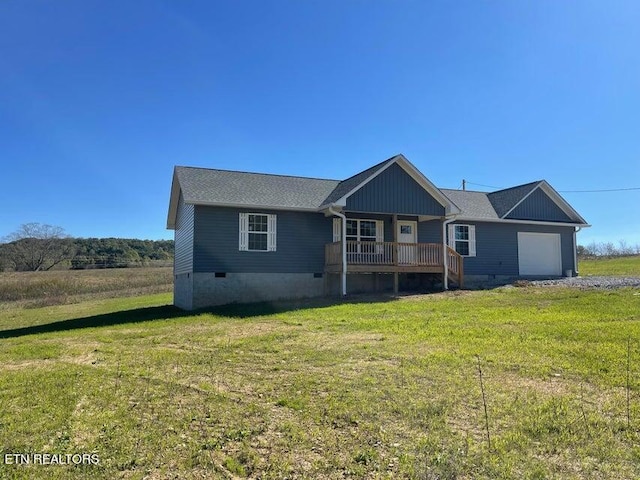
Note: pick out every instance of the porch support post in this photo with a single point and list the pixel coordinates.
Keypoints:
(343, 249)
(395, 254)
(394, 222)
(445, 257)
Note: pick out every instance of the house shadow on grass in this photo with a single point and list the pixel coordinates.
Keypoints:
(261, 309)
(166, 312)
(136, 315)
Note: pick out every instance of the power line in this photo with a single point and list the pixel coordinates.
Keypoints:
(481, 185)
(598, 191)
(566, 191)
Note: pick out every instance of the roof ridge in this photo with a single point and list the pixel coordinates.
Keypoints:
(379, 164)
(258, 173)
(517, 186)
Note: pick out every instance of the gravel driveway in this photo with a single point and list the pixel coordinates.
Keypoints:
(591, 282)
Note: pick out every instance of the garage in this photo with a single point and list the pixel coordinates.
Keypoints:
(539, 254)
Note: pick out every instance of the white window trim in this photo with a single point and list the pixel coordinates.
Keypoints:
(243, 229)
(337, 231)
(337, 228)
(471, 241)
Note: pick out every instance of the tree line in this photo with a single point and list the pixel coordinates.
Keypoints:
(608, 249)
(38, 247)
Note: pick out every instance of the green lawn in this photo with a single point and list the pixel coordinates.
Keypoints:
(611, 266)
(370, 388)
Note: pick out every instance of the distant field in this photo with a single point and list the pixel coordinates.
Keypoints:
(611, 266)
(29, 289)
(371, 388)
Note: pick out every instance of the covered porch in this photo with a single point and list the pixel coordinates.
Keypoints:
(394, 257)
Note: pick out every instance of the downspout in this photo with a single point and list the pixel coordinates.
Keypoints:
(445, 257)
(575, 249)
(343, 240)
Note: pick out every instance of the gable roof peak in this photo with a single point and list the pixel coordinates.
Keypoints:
(354, 183)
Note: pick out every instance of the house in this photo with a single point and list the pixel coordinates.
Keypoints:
(242, 237)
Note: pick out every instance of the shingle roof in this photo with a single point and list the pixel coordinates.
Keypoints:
(206, 186)
(472, 204)
(225, 187)
(504, 200)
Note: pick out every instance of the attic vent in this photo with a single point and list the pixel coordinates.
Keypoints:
(221, 275)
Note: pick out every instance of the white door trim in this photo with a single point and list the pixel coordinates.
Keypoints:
(407, 254)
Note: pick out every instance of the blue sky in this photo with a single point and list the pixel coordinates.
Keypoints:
(100, 99)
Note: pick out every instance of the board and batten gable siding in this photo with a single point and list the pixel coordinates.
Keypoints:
(538, 206)
(183, 236)
(394, 191)
(300, 241)
(497, 247)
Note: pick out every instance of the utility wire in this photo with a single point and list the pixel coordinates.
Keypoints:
(598, 191)
(567, 191)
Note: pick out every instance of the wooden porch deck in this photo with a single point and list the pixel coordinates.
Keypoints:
(394, 257)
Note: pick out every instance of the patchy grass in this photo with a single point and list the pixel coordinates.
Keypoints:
(369, 388)
(627, 266)
(40, 289)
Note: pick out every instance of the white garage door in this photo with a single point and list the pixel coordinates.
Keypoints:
(539, 254)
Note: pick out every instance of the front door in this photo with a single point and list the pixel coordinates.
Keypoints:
(407, 234)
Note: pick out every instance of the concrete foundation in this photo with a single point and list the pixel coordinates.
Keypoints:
(210, 290)
(183, 291)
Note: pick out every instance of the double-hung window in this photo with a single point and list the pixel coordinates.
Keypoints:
(362, 231)
(361, 234)
(257, 232)
(462, 238)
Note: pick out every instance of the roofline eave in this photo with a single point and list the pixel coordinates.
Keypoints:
(252, 205)
(173, 202)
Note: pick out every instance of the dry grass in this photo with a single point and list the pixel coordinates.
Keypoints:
(42, 289)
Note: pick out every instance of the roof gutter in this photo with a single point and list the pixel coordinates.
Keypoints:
(343, 241)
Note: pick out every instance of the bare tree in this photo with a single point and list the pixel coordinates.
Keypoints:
(36, 246)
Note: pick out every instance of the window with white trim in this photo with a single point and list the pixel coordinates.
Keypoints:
(462, 238)
(360, 230)
(257, 232)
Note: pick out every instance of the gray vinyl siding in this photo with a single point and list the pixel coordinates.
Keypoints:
(300, 242)
(183, 235)
(538, 206)
(430, 232)
(497, 247)
(394, 191)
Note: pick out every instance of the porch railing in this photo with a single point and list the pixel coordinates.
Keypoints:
(394, 254)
